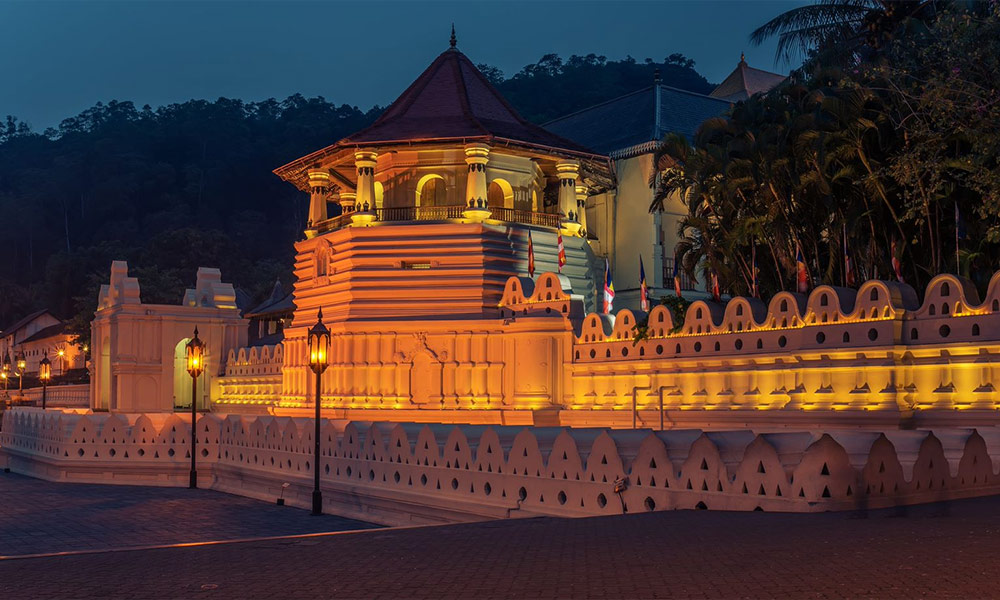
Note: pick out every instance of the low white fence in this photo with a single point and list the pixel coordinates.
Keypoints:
(406, 473)
(56, 396)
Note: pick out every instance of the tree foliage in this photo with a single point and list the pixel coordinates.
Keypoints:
(171, 189)
(553, 87)
(188, 185)
(873, 157)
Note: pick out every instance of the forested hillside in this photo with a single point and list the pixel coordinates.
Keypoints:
(186, 185)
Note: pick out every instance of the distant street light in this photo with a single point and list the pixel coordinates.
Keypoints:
(319, 351)
(22, 366)
(44, 375)
(195, 366)
(62, 361)
(5, 370)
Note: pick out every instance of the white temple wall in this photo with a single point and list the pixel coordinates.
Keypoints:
(408, 473)
(136, 345)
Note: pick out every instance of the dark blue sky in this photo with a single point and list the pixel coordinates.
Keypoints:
(58, 58)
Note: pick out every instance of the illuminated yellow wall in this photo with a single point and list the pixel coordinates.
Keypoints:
(872, 356)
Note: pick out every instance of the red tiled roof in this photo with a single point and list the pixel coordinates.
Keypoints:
(13, 327)
(48, 332)
(451, 99)
(745, 81)
(628, 123)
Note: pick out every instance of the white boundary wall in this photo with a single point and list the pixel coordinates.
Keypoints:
(413, 473)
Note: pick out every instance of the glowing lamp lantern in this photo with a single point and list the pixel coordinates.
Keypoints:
(319, 353)
(45, 368)
(195, 367)
(319, 346)
(195, 356)
(22, 362)
(45, 375)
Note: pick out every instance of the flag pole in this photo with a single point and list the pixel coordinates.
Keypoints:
(958, 217)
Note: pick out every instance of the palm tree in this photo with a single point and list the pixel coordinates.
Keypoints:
(843, 29)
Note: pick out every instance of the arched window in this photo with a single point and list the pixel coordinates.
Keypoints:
(500, 194)
(379, 194)
(432, 191)
(322, 258)
(494, 195)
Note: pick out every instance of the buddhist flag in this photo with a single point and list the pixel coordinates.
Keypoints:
(531, 256)
(562, 253)
(677, 278)
(716, 294)
(643, 290)
(848, 267)
(609, 288)
(896, 265)
(802, 274)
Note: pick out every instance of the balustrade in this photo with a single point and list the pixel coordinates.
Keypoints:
(444, 213)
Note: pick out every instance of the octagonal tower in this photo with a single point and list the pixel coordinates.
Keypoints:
(416, 223)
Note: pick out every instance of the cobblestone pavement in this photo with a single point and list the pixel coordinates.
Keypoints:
(940, 551)
(44, 517)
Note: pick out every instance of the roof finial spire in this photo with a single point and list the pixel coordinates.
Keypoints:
(454, 40)
(743, 58)
(656, 75)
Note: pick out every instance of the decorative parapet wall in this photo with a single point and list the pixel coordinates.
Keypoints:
(877, 348)
(404, 473)
(252, 377)
(138, 349)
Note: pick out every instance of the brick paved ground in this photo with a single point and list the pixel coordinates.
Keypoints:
(43, 517)
(950, 551)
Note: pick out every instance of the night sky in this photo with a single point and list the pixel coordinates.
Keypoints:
(59, 58)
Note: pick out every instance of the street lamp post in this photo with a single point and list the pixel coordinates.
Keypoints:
(5, 374)
(62, 361)
(22, 366)
(319, 350)
(5, 370)
(195, 366)
(44, 375)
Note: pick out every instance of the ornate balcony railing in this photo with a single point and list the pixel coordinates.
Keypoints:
(526, 217)
(444, 213)
(668, 275)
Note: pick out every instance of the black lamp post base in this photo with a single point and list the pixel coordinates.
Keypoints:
(193, 480)
(317, 503)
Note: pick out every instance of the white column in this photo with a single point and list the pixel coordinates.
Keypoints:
(365, 161)
(476, 156)
(347, 201)
(568, 172)
(319, 189)
(581, 205)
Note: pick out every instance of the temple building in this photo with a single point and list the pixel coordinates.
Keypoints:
(629, 129)
(39, 335)
(417, 252)
(418, 255)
